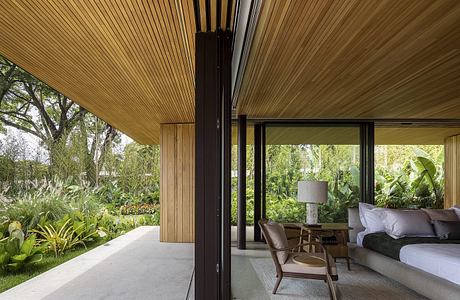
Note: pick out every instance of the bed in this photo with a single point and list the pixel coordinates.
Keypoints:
(421, 264)
(430, 254)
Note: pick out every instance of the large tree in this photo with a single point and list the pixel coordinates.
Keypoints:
(33, 107)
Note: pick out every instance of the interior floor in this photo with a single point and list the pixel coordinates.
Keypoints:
(253, 277)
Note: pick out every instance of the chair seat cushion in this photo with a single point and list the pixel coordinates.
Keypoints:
(292, 267)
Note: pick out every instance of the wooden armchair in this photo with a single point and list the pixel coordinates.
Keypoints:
(291, 263)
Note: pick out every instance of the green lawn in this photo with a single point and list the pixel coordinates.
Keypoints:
(9, 280)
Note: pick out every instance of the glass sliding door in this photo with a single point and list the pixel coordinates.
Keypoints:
(312, 152)
(409, 165)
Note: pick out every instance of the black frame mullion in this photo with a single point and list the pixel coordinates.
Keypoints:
(227, 161)
(241, 209)
(257, 180)
(212, 165)
(264, 173)
(367, 143)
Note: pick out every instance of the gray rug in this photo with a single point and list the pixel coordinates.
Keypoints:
(359, 283)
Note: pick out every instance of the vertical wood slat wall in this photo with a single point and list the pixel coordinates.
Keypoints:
(177, 183)
(452, 171)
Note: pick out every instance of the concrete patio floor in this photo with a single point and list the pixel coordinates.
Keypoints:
(133, 266)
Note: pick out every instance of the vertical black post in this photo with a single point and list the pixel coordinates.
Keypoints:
(227, 162)
(257, 180)
(241, 225)
(212, 165)
(207, 167)
(367, 162)
(264, 172)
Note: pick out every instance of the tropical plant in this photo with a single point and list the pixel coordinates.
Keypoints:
(64, 235)
(17, 253)
(418, 183)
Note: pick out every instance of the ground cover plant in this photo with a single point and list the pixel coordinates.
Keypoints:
(55, 221)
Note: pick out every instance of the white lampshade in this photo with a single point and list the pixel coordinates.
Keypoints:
(312, 191)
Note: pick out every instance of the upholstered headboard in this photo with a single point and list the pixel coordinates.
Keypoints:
(355, 223)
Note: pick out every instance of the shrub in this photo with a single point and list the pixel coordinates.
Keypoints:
(139, 209)
(29, 208)
(67, 233)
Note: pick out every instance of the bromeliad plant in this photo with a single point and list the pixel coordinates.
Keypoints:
(17, 253)
(66, 234)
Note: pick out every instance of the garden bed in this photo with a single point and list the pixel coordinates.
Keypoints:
(49, 261)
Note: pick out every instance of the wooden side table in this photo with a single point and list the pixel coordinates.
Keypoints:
(339, 230)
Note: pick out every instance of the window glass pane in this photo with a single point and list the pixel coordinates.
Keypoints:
(296, 153)
(409, 168)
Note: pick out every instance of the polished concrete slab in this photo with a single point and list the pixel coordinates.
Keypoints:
(253, 277)
(133, 266)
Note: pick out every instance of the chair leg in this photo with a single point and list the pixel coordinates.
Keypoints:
(330, 285)
(277, 284)
(348, 264)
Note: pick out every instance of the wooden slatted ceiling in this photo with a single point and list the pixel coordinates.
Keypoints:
(130, 62)
(213, 14)
(354, 59)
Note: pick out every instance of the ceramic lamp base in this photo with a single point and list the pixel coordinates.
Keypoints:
(312, 213)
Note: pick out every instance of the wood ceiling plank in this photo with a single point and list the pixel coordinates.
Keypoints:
(354, 59)
(223, 14)
(130, 62)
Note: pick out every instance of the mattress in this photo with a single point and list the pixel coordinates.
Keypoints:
(442, 260)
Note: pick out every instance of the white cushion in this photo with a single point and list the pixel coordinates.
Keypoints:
(362, 207)
(405, 223)
(456, 208)
(278, 237)
(360, 238)
(292, 267)
(441, 214)
(372, 217)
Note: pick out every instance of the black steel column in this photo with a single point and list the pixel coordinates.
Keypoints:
(264, 172)
(367, 162)
(227, 163)
(212, 165)
(257, 180)
(241, 225)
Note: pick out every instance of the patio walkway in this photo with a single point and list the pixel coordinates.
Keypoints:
(133, 266)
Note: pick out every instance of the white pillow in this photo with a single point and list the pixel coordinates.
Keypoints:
(456, 208)
(362, 207)
(360, 237)
(407, 223)
(371, 217)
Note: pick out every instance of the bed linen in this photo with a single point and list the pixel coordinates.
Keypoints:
(442, 260)
(384, 244)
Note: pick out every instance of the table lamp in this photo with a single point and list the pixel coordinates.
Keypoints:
(312, 193)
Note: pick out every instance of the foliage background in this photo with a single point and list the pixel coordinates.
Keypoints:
(400, 180)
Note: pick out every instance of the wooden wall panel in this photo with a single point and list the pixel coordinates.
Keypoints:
(177, 183)
(452, 171)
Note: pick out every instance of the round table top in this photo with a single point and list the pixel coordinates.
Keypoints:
(308, 260)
